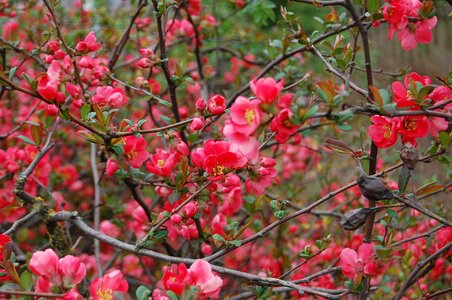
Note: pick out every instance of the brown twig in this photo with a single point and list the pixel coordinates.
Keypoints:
(413, 276)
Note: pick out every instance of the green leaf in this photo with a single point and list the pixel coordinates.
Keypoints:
(373, 6)
(236, 243)
(161, 234)
(84, 111)
(218, 237)
(143, 293)
(12, 72)
(344, 127)
(404, 178)
(36, 133)
(171, 295)
(392, 214)
(26, 140)
(25, 280)
(119, 149)
(444, 138)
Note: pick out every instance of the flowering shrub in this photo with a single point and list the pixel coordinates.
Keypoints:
(205, 149)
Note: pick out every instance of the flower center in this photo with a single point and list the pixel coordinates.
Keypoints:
(218, 170)
(287, 123)
(409, 95)
(388, 131)
(409, 124)
(105, 294)
(161, 163)
(249, 116)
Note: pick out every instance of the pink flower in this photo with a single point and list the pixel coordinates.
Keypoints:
(135, 150)
(112, 167)
(200, 275)
(216, 105)
(89, 44)
(197, 123)
(241, 143)
(115, 97)
(245, 115)
(261, 176)
(436, 124)
(355, 264)
(419, 32)
(162, 163)
(53, 272)
(105, 287)
(191, 209)
(266, 89)
(201, 105)
(383, 131)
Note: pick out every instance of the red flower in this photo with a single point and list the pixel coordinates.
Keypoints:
(4, 239)
(174, 278)
(402, 93)
(112, 167)
(216, 158)
(216, 105)
(162, 163)
(283, 125)
(135, 150)
(383, 131)
(412, 127)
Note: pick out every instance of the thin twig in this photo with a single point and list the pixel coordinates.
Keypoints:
(412, 277)
(93, 156)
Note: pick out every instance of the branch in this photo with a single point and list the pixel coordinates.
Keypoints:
(423, 210)
(142, 242)
(73, 217)
(21, 221)
(164, 59)
(22, 178)
(305, 210)
(27, 293)
(322, 3)
(125, 36)
(96, 206)
(24, 52)
(418, 236)
(338, 74)
(413, 275)
(69, 51)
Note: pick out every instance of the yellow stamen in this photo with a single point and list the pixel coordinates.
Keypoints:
(218, 170)
(249, 116)
(105, 294)
(161, 163)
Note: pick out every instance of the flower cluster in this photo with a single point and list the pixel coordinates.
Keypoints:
(411, 94)
(199, 275)
(411, 20)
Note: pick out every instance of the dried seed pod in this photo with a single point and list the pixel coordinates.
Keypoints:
(355, 218)
(409, 155)
(373, 188)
